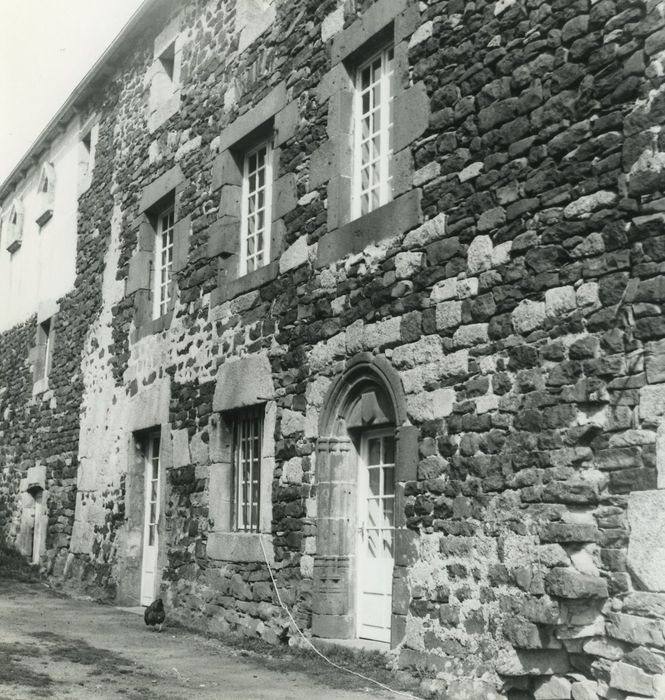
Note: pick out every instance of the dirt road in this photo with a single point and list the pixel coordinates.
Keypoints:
(55, 647)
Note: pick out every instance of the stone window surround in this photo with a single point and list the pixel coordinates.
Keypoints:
(41, 355)
(45, 198)
(164, 83)
(387, 21)
(90, 131)
(154, 196)
(241, 383)
(12, 233)
(274, 115)
(336, 466)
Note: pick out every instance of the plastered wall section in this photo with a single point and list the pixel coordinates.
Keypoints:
(44, 266)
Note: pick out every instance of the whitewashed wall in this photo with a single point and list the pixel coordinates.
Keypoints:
(43, 267)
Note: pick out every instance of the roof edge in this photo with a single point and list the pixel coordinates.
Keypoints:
(142, 17)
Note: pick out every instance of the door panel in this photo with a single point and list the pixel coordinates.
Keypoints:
(151, 520)
(376, 492)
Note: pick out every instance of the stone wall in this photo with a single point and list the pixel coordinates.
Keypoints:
(519, 303)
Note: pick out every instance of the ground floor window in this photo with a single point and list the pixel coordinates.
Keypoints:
(247, 438)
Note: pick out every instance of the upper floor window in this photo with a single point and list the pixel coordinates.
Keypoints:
(45, 194)
(256, 208)
(12, 227)
(167, 59)
(163, 264)
(42, 352)
(87, 148)
(247, 434)
(164, 75)
(373, 147)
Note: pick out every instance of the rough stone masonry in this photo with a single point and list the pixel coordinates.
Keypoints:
(505, 309)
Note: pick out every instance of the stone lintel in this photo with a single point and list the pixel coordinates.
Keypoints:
(158, 189)
(243, 382)
(251, 120)
(376, 18)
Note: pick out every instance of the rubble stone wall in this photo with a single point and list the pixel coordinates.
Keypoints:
(520, 303)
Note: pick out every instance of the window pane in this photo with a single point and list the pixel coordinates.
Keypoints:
(247, 458)
(374, 449)
(388, 481)
(374, 482)
(387, 543)
(389, 450)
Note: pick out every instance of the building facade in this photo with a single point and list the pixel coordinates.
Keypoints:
(365, 296)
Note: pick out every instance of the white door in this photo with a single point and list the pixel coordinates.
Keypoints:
(151, 518)
(376, 520)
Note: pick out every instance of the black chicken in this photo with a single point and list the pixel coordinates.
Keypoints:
(154, 614)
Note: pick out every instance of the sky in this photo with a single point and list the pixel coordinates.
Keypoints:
(46, 47)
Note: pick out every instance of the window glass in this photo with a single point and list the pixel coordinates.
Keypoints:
(373, 132)
(247, 467)
(255, 225)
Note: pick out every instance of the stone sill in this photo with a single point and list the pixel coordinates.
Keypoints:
(233, 288)
(394, 218)
(44, 217)
(156, 325)
(240, 547)
(364, 644)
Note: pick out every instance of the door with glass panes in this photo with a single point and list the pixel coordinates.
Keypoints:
(151, 519)
(376, 525)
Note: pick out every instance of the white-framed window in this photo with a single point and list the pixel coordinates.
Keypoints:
(163, 265)
(373, 128)
(247, 445)
(256, 208)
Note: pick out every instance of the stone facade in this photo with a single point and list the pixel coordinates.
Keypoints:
(502, 315)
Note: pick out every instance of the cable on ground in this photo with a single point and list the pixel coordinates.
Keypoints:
(309, 643)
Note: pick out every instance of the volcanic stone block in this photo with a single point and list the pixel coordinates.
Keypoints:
(646, 548)
(566, 582)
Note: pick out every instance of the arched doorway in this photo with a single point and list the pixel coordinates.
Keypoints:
(358, 504)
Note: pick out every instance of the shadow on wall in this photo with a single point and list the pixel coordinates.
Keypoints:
(16, 567)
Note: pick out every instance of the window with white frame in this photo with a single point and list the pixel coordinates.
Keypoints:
(163, 262)
(256, 208)
(373, 148)
(247, 438)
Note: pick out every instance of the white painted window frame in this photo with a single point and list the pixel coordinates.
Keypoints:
(259, 258)
(247, 468)
(163, 262)
(385, 83)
